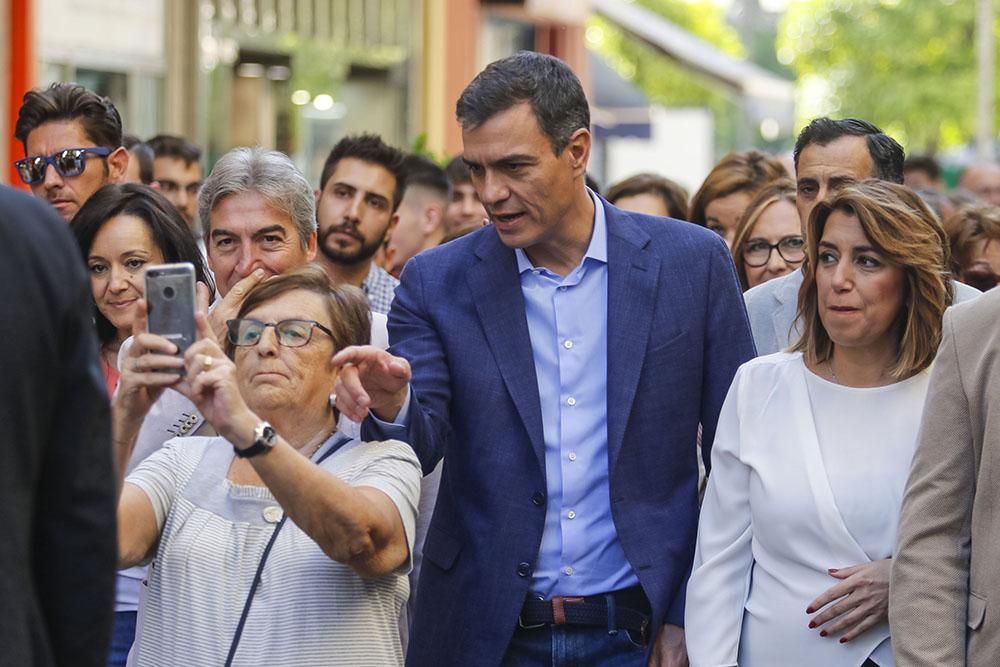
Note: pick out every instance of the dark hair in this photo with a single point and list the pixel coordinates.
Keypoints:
(673, 195)
(908, 235)
(885, 152)
(347, 306)
(457, 171)
(738, 171)
(169, 145)
(367, 148)
(418, 171)
(70, 101)
(924, 163)
(547, 83)
(170, 233)
(141, 152)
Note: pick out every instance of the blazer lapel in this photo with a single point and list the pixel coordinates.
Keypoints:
(496, 289)
(632, 288)
(787, 296)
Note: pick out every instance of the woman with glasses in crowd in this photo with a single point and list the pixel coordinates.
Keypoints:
(768, 241)
(727, 190)
(121, 230)
(814, 447)
(974, 231)
(232, 580)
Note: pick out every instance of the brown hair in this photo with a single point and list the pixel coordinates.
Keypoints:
(347, 306)
(673, 195)
(782, 189)
(908, 235)
(745, 171)
(966, 228)
(70, 102)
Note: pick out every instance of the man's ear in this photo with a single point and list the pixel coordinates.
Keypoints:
(578, 150)
(118, 165)
(433, 218)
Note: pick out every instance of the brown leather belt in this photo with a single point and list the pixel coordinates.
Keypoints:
(627, 609)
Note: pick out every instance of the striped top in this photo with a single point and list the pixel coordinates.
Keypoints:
(308, 609)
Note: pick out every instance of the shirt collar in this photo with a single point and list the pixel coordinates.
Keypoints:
(598, 248)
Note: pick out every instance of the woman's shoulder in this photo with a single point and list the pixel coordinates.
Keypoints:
(376, 450)
(771, 365)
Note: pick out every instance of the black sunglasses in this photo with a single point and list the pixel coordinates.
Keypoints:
(68, 163)
(291, 333)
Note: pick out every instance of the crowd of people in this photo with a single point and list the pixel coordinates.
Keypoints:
(480, 414)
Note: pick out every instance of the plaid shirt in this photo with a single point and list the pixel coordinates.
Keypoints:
(380, 288)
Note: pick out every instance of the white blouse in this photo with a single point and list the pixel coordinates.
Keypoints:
(806, 475)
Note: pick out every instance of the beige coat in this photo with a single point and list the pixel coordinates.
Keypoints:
(944, 603)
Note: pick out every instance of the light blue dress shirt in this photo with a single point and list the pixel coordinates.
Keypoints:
(567, 318)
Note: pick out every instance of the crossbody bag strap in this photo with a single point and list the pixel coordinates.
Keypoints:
(263, 560)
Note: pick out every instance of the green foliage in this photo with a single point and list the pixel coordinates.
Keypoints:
(906, 65)
(663, 80)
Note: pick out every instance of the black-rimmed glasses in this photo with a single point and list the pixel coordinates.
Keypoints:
(757, 252)
(67, 163)
(290, 333)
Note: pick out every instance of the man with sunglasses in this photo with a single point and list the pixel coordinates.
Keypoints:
(72, 140)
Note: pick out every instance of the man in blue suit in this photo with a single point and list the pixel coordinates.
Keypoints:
(562, 360)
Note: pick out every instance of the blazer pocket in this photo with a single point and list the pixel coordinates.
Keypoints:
(441, 548)
(977, 610)
(676, 338)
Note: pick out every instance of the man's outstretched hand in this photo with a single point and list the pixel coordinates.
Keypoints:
(370, 379)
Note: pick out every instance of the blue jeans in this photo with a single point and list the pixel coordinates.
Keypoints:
(571, 646)
(122, 636)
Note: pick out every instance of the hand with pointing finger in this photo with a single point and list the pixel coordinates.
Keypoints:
(370, 379)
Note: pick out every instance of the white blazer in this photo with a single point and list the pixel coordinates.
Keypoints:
(770, 529)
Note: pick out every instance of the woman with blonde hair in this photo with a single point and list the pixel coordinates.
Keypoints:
(729, 187)
(814, 446)
(768, 241)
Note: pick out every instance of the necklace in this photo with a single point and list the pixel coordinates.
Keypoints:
(833, 373)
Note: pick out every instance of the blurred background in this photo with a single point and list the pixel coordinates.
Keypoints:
(674, 84)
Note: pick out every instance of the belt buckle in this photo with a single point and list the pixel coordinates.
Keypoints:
(533, 626)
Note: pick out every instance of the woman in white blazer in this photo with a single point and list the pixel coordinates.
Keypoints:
(814, 447)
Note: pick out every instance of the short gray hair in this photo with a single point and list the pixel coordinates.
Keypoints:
(270, 174)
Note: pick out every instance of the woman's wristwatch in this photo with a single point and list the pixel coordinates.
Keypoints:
(264, 440)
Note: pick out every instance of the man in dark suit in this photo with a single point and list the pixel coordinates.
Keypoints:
(563, 358)
(58, 550)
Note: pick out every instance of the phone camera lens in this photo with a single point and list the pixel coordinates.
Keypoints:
(168, 292)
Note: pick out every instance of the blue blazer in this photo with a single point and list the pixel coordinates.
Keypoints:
(677, 331)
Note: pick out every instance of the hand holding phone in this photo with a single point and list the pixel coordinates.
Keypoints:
(170, 293)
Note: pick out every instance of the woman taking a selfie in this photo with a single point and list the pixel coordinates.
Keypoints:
(814, 447)
(282, 541)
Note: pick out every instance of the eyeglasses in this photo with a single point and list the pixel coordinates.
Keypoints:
(982, 279)
(68, 163)
(291, 333)
(757, 252)
(169, 187)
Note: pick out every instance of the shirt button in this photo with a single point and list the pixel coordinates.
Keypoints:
(570, 401)
(572, 456)
(523, 569)
(562, 289)
(568, 571)
(538, 498)
(571, 514)
(272, 514)
(568, 345)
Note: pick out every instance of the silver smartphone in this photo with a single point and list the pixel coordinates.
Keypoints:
(170, 294)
